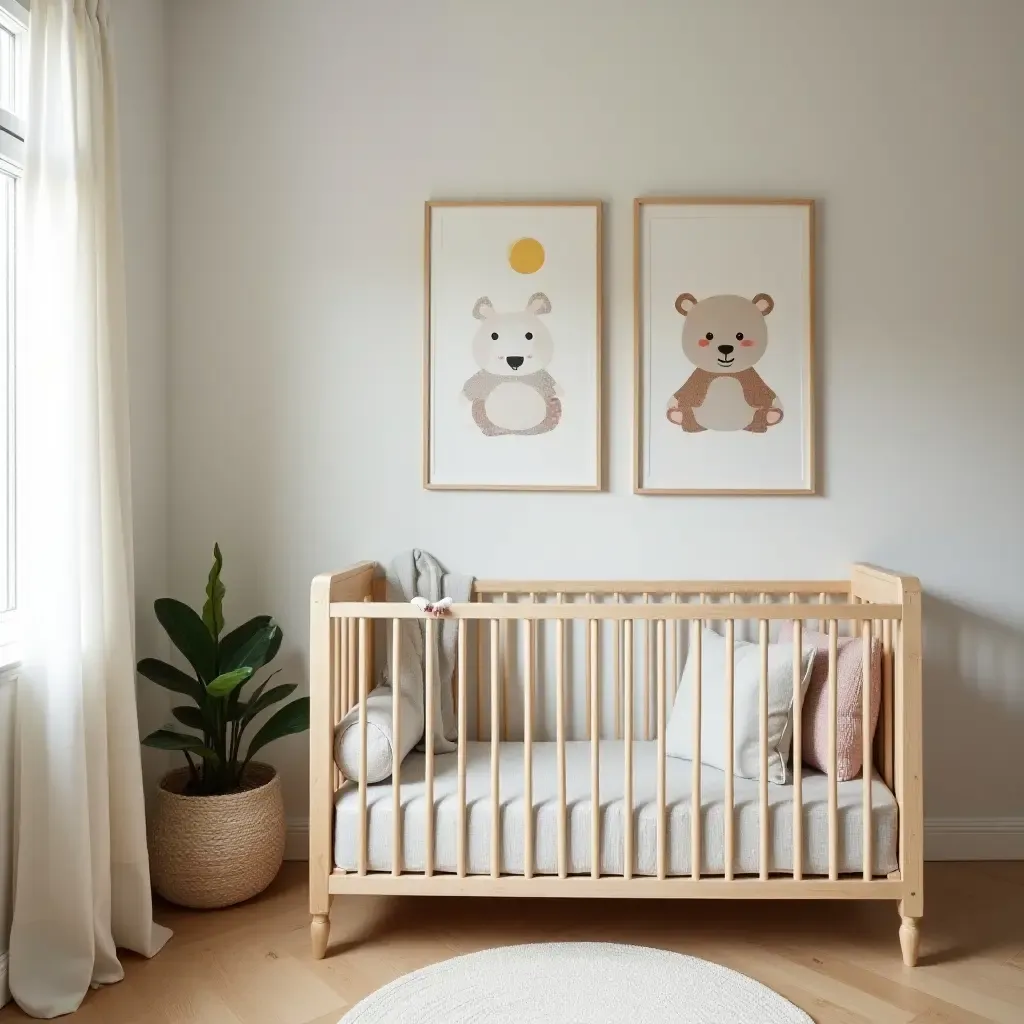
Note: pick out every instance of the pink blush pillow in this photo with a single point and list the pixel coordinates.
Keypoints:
(849, 719)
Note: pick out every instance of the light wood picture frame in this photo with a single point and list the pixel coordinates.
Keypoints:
(707, 272)
(529, 274)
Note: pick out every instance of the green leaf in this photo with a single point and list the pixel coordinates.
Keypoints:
(261, 702)
(189, 635)
(239, 709)
(275, 646)
(236, 711)
(168, 739)
(231, 642)
(227, 681)
(213, 610)
(190, 717)
(253, 652)
(170, 678)
(290, 719)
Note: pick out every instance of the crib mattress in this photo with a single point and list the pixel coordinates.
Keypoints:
(678, 778)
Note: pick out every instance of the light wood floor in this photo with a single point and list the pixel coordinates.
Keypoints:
(839, 961)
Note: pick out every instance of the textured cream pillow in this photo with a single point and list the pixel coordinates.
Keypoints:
(745, 756)
(849, 707)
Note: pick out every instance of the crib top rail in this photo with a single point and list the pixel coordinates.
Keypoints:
(662, 588)
(703, 611)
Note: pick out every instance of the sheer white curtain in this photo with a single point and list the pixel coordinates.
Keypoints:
(81, 865)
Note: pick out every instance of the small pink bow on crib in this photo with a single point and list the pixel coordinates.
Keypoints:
(435, 609)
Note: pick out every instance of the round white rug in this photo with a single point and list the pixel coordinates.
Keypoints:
(575, 983)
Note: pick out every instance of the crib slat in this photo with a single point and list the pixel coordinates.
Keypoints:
(338, 709)
(536, 629)
(586, 674)
(822, 624)
(428, 737)
(696, 803)
(617, 637)
(495, 739)
(729, 810)
(480, 656)
(337, 661)
(396, 733)
(866, 748)
(341, 667)
(595, 747)
(461, 852)
(353, 678)
(798, 756)
(675, 651)
(560, 738)
(528, 749)
(660, 660)
(506, 678)
(833, 768)
(886, 712)
(648, 646)
(627, 738)
(364, 674)
(763, 744)
(878, 735)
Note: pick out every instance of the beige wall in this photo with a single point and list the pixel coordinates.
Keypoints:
(302, 148)
(142, 95)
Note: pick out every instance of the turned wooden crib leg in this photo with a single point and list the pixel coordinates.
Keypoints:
(910, 937)
(320, 933)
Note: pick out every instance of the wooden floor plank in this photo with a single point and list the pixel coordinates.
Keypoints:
(838, 961)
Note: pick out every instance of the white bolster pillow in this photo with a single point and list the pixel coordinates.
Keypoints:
(379, 738)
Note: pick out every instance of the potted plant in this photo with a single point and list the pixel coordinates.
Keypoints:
(218, 831)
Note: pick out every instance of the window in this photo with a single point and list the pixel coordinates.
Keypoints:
(13, 90)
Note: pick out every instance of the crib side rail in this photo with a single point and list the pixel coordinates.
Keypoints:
(697, 612)
(351, 615)
(899, 734)
(327, 671)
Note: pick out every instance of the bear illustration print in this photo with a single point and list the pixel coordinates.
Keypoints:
(724, 336)
(512, 392)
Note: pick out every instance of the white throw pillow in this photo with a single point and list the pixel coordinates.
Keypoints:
(746, 753)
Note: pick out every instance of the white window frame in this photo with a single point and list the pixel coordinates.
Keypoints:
(14, 17)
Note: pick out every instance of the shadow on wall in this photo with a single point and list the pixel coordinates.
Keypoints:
(973, 715)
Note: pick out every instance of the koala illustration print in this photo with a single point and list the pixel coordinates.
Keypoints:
(512, 392)
(724, 336)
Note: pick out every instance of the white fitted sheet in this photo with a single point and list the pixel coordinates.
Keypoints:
(578, 798)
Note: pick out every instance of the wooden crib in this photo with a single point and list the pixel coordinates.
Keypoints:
(603, 659)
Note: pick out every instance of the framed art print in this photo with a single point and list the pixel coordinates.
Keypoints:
(724, 352)
(512, 363)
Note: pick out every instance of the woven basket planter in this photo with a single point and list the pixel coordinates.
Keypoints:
(213, 851)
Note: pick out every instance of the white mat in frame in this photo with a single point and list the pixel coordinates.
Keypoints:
(512, 360)
(724, 357)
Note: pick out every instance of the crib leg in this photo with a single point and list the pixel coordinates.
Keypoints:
(910, 937)
(320, 933)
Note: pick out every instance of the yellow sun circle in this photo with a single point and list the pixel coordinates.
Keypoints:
(526, 256)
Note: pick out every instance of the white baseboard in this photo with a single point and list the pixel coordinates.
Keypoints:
(944, 839)
(974, 839)
(5, 988)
